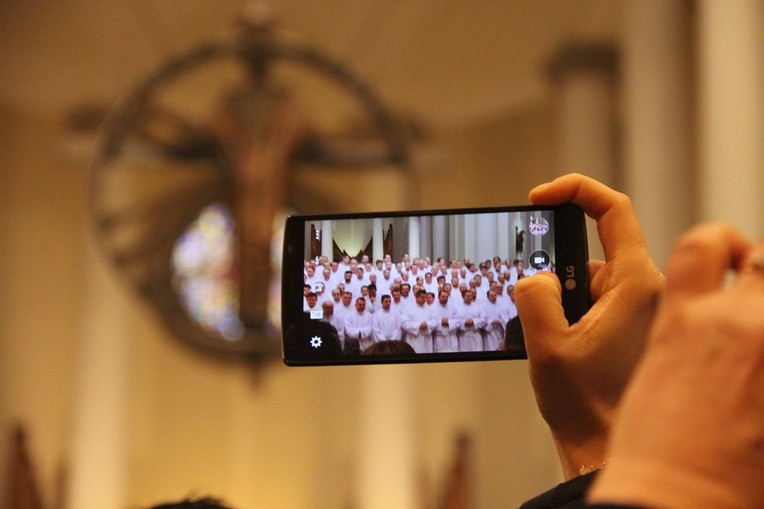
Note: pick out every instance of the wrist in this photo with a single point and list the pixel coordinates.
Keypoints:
(579, 457)
(650, 483)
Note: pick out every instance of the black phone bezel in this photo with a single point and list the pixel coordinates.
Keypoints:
(571, 258)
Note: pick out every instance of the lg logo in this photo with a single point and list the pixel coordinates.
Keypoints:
(570, 277)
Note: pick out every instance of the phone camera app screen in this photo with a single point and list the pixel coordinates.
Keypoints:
(428, 284)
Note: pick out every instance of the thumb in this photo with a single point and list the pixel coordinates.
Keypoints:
(539, 305)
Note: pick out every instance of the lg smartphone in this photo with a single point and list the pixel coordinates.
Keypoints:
(423, 286)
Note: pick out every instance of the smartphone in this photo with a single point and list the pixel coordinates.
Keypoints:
(423, 286)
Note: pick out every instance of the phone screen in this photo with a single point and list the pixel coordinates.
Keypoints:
(422, 286)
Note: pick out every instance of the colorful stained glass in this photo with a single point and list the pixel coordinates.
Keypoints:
(204, 262)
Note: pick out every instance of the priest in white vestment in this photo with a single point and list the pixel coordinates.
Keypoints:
(358, 326)
(335, 320)
(495, 323)
(444, 337)
(387, 323)
(472, 320)
(507, 302)
(343, 310)
(418, 323)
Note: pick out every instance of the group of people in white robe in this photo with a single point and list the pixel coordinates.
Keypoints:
(433, 307)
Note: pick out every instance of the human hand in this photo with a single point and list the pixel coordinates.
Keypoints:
(579, 372)
(690, 432)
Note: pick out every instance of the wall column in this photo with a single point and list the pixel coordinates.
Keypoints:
(389, 448)
(505, 238)
(486, 229)
(731, 112)
(658, 123)
(584, 77)
(469, 237)
(378, 239)
(413, 238)
(327, 241)
(99, 473)
(456, 237)
(425, 236)
(440, 238)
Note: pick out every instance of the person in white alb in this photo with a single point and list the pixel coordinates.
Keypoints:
(430, 283)
(337, 274)
(507, 302)
(481, 287)
(444, 337)
(372, 302)
(334, 320)
(495, 323)
(386, 322)
(358, 280)
(473, 319)
(397, 301)
(418, 323)
(311, 305)
(336, 297)
(310, 275)
(347, 280)
(358, 327)
(344, 308)
(406, 299)
(326, 281)
(384, 282)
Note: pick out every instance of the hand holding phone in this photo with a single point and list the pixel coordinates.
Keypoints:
(579, 372)
(427, 285)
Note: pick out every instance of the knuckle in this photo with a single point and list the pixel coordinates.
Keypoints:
(697, 244)
(703, 237)
(622, 201)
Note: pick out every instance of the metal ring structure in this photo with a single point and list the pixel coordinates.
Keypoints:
(145, 257)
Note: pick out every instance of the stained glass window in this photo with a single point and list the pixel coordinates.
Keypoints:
(204, 263)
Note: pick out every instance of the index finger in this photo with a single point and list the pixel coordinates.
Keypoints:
(617, 224)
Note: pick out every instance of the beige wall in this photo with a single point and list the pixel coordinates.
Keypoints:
(41, 232)
(494, 161)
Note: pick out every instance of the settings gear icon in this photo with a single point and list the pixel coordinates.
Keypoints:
(315, 341)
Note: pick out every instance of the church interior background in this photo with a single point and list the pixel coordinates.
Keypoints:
(663, 100)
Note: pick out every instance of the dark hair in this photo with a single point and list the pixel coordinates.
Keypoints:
(389, 347)
(199, 503)
(514, 339)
